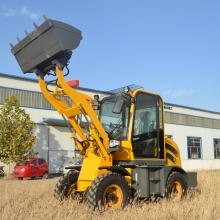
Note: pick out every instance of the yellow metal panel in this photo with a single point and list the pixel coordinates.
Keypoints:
(125, 153)
(90, 170)
(177, 157)
(71, 112)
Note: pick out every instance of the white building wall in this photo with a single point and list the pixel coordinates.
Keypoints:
(180, 134)
(37, 115)
(55, 144)
(18, 84)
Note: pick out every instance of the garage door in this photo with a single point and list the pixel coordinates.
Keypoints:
(61, 148)
(41, 143)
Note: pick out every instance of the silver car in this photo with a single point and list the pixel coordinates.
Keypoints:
(73, 165)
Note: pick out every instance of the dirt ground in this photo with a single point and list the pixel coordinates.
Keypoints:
(33, 199)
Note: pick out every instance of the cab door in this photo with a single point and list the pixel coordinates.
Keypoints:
(42, 167)
(33, 168)
(148, 128)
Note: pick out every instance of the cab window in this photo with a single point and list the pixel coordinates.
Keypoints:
(147, 135)
(34, 162)
(41, 161)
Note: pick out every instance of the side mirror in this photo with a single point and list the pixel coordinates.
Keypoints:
(96, 103)
(117, 109)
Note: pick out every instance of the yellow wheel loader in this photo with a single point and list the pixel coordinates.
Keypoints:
(124, 148)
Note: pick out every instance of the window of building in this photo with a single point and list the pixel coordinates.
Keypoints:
(217, 148)
(194, 147)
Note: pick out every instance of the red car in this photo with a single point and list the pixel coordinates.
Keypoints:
(36, 167)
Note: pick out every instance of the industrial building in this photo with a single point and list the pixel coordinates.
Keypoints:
(196, 131)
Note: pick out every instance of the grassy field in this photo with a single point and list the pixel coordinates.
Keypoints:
(33, 199)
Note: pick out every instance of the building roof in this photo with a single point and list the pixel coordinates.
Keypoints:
(192, 108)
(34, 80)
(107, 93)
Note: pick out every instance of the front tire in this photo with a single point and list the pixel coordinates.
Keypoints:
(66, 185)
(109, 190)
(176, 187)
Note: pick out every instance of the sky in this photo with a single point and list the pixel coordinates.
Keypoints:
(168, 47)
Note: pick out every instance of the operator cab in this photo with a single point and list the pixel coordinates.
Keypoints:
(145, 111)
(148, 126)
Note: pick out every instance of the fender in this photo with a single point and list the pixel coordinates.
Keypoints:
(117, 169)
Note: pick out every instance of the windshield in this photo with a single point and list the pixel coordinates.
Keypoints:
(116, 125)
(22, 163)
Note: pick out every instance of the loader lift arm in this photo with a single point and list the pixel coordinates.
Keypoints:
(49, 48)
(96, 140)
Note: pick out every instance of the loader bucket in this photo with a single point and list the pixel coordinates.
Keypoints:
(52, 40)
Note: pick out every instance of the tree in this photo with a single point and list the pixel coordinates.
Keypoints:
(16, 132)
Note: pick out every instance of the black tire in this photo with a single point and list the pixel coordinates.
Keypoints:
(97, 196)
(33, 177)
(20, 178)
(176, 187)
(2, 173)
(66, 185)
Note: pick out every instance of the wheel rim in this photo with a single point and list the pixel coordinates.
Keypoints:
(176, 191)
(113, 196)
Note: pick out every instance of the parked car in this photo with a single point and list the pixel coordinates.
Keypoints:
(72, 165)
(36, 167)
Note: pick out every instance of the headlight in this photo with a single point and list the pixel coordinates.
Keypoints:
(78, 162)
(22, 169)
(114, 143)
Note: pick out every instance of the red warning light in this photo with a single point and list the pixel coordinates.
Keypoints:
(74, 83)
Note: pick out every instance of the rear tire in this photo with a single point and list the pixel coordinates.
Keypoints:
(66, 185)
(176, 188)
(109, 190)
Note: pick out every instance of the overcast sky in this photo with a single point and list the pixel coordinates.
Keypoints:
(169, 47)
